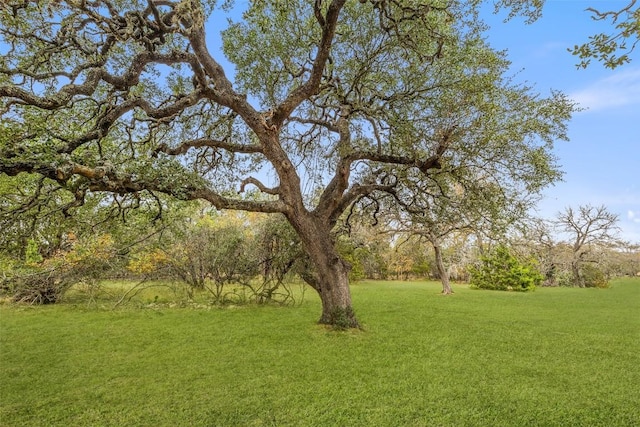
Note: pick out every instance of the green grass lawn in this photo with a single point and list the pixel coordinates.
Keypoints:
(555, 357)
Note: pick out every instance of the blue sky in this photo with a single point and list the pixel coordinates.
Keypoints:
(602, 159)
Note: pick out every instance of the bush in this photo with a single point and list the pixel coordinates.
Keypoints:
(278, 252)
(212, 255)
(564, 278)
(504, 272)
(593, 277)
(46, 282)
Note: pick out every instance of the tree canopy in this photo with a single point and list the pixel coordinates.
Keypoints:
(331, 102)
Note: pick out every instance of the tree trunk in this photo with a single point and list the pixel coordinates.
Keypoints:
(328, 274)
(577, 277)
(442, 271)
(336, 295)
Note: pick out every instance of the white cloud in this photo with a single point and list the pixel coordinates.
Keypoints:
(618, 90)
(634, 216)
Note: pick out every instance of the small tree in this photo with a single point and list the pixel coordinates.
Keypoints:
(502, 271)
(213, 251)
(586, 228)
(474, 202)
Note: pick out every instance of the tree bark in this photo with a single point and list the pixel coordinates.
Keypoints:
(328, 273)
(577, 277)
(442, 271)
(335, 294)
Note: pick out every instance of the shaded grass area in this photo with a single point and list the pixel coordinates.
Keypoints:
(555, 357)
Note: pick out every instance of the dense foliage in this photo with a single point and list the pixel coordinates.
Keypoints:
(502, 271)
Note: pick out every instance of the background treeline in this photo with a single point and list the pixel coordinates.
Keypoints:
(237, 256)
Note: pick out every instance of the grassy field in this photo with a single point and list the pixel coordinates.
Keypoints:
(555, 357)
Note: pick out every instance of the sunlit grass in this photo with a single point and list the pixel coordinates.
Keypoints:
(554, 357)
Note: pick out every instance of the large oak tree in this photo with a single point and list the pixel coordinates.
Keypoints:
(330, 101)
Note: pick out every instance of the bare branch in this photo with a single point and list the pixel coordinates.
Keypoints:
(260, 185)
(315, 122)
(354, 193)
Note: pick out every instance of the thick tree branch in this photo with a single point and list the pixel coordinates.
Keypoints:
(103, 179)
(206, 142)
(96, 74)
(425, 165)
(331, 196)
(312, 85)
(221, 202)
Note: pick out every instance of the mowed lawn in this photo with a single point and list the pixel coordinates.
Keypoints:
(554, 357)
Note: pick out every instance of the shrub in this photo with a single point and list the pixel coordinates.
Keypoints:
(564, 278)
(148, 262)
(278, 252)
(212, 255)
(46, 282)
(502, 271)
(593, 277)
(32, 253)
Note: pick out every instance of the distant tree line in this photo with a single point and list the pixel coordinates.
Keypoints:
(232, 256)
